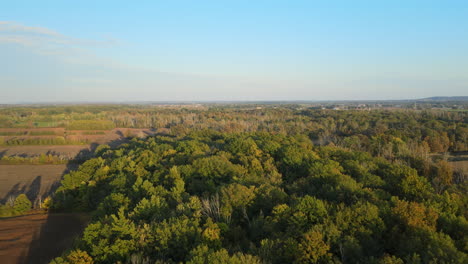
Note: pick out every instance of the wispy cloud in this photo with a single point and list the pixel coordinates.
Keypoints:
(13, 27)
(46, 41)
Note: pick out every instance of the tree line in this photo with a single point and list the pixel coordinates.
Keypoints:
(382, 132)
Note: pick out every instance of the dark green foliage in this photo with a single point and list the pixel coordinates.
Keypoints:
(210, 197)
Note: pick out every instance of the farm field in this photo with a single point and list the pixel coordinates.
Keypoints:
(59, 136)
(112, 137)
(36, 150)
(33, 180)
(37, 180)
(37, 237)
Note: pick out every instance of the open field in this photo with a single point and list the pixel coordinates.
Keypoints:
(56, 130)
(458, 160)
(36, 150)
(112, 137)
(13, 137)
(460, 165)
(37, 180)
(38, 237)
(33, 180)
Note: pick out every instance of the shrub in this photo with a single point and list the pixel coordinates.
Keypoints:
(75, 257)
(47, 203)
(22, 203)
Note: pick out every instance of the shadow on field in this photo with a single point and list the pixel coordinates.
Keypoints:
(32, 190)
(55, 236)
(59, 230)
(16, 190)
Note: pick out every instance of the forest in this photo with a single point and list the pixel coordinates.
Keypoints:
(269, 184)
(434, 130)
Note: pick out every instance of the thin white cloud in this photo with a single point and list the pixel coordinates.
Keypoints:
(90, 80)
(45, 40)
(50, 43)
(13, 27)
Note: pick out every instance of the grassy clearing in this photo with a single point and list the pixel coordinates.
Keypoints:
(91, 125)
(13, 133)
(39, 160)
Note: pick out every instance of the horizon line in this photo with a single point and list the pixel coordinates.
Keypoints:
(245, 101)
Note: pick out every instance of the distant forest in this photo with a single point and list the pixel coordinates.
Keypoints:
(265, 184)
(376, 131)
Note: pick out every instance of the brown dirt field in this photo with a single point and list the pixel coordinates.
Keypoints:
(36, 150)
(38, 237)
(33, 180)
(37, 180)
(30, 137)
(112, 137)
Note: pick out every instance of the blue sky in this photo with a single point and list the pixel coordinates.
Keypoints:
(231, 50)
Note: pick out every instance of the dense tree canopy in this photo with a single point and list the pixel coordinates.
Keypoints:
(209, 196)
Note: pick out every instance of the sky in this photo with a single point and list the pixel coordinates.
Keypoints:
(230, 50)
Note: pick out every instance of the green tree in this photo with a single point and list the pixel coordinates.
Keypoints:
(443, 176)
(312, 247)
(22, 204)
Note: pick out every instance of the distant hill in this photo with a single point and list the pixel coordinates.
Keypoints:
(445, 98)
